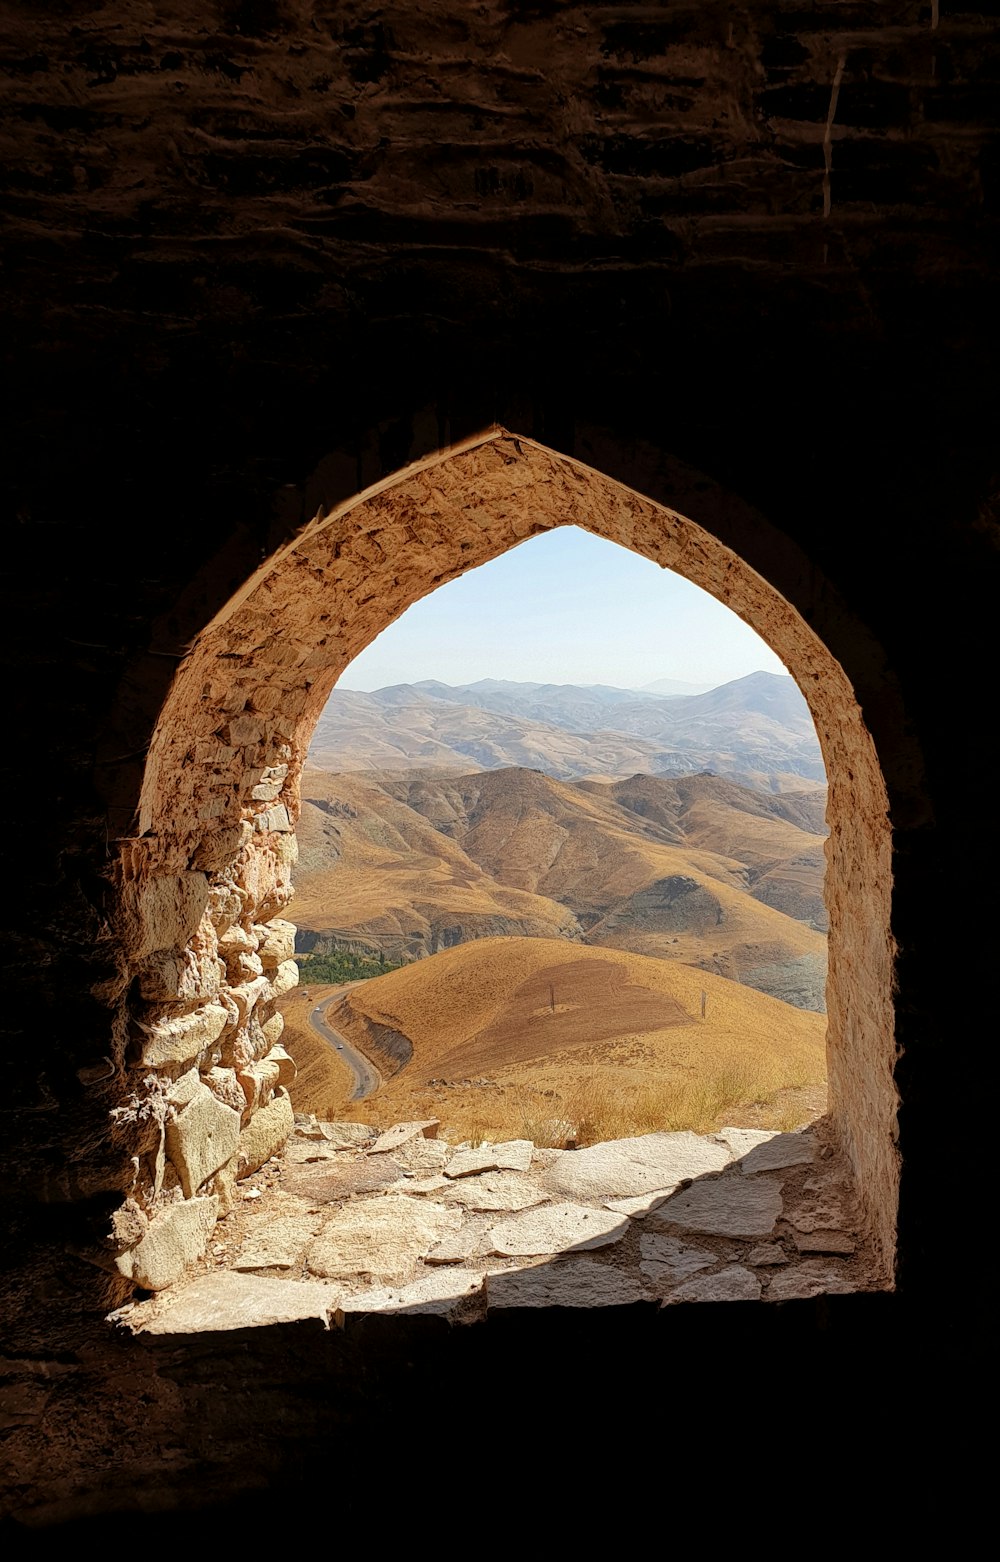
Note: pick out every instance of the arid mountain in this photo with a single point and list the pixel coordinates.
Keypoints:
(757, 727)
(694, 869)
(374, 875)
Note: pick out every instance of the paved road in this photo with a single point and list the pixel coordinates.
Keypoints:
(366, 1076)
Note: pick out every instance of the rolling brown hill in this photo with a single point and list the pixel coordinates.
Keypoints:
(374, 875)
(695, 869)
(517, 1026)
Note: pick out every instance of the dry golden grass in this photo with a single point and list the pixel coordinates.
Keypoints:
(527, 1032)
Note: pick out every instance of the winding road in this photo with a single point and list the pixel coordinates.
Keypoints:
(366, 1076)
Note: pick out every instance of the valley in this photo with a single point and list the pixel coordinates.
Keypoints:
(559, 935)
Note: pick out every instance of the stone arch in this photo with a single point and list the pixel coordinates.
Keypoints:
(203, 881)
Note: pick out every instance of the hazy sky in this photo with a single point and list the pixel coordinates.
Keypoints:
(564, 607)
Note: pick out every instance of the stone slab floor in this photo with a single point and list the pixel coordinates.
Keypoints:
(349, 1221)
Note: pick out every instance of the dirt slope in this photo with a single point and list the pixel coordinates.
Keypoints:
(506, 1017)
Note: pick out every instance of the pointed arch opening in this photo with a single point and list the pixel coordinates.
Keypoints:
(207, 875)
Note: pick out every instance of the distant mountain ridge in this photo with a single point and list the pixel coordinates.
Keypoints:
(755, 729)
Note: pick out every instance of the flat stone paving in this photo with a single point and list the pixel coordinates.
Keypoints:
(349, 1222)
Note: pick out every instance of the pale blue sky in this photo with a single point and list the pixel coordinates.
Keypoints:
(564, 607)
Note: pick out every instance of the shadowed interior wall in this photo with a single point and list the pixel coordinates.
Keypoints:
(259, 257)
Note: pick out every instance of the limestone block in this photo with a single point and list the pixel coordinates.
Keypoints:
(243, 730)
(666, 1261)
(265, 791)
(284, 979)
(129, 1224)
(224, 1185)
(201, 1138)
(225, 906)
(458, 1294)
(184, 1089)
(273, 1029)
(513, 1155)
(767, 1255)
(286, 849)
(571, 1282)
(182, 976)
(500, 1191)
(279, 1239)
(179, 1038)
(224, 1085)
(162, 912)
(220, 847)
(235, 1301)
(384, 1237)
(839, 1242)
(742, 1140)
(627, 1168)
(176, 1237)
(332, 1177)
(265, 1133)
(813, 1277)
(287, 1072)
(276, 942)
(246, 967)
(793, 1149)
(557, 1228)
(724, 1207)
(275, 818)
(248, 994)
(399, 1133)
(258, 1081)
(236, 941)
(732, 1284)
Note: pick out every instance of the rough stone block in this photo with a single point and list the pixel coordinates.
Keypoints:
(514, 1155)
(184, 1089)
(162, 912)
(400, 1133)
(725, 1207)
(628, 1168)
(236, 941)
(273, 1030)
(284, 979)
(218, 848)
(287, 1072)
(182, 976)
(236, 1301)
(732, 1284)
(224, 1085)
(258, 1081)
(265, 1133)
(244, 730)
(384, 1237)
(248, 994)
(557, 1228)
(276, 942)
(275, 818)
(176, 1237)
(179, 1038)
(571, 1282)
(201, 1138)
